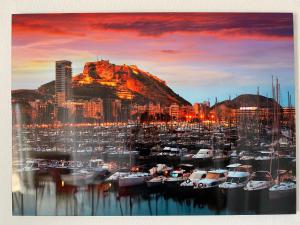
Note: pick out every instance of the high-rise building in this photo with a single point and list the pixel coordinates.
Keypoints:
(63, 81)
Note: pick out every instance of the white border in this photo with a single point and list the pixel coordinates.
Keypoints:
(7, 7)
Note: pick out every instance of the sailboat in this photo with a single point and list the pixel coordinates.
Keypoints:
(134, 178)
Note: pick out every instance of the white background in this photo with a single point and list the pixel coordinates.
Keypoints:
(8, 7)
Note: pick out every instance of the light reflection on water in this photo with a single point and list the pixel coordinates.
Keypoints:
(49, 198)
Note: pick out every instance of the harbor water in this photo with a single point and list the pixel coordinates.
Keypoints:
(50, 198)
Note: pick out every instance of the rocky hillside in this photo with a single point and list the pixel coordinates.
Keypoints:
(104, 79)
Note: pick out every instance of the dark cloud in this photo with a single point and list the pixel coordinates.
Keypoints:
(265, 24)
(274, 25)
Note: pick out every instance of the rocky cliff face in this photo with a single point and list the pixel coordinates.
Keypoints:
(124, 82)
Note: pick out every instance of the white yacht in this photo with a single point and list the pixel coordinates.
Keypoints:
(265, 156)
(204, 154)
(203, 157)
(193, 180)
(261, 180)
(246, 157)
(212, 180)
(236, 181)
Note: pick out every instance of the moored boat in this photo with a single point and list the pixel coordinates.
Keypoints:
(212, 180)
(133, 179)
(261, 181)
(187, 187)
(203, 157)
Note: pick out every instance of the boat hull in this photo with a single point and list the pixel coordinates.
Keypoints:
(132, 181)
(291, 193)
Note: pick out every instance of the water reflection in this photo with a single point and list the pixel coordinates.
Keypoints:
(54, 198)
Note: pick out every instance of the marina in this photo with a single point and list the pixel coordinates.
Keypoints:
(192, 179)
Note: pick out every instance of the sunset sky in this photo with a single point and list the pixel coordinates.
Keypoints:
(199, 55)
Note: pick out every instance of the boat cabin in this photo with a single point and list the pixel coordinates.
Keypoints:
(198, 174)
(204, 153)
(216, 174)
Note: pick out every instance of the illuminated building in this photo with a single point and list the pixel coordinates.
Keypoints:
(197, 108)
(112, 110)
(63, 80)
(93, 109)
(289, 115)
(201, 110)
(174, 111)
(154, 109)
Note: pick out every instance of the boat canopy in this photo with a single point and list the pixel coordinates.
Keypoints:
(234, 165)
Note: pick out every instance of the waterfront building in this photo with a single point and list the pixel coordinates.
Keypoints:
(42, 111)
(112, 110)
(174, 111)
(74, 110)
(201, 110)
(93, 109)
(289, 115)
(154, 108)
(197, 108)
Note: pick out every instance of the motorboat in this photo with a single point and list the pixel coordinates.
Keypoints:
(133, 179)
(234, 156)
(193, 180)
(117, 175)
(246, 157)
(264, 156)
(99, 167)
(235, 181)
(265, 159)
(285, 186)
(204, 154)
(203, 157)
(160, 169)
(212, 180)
(260, 181)
(176, 178)
(160, 173)
(156, 182)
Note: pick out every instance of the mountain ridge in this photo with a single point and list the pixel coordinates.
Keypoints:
(248, 100)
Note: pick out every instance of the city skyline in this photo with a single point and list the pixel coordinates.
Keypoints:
(221, 47)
